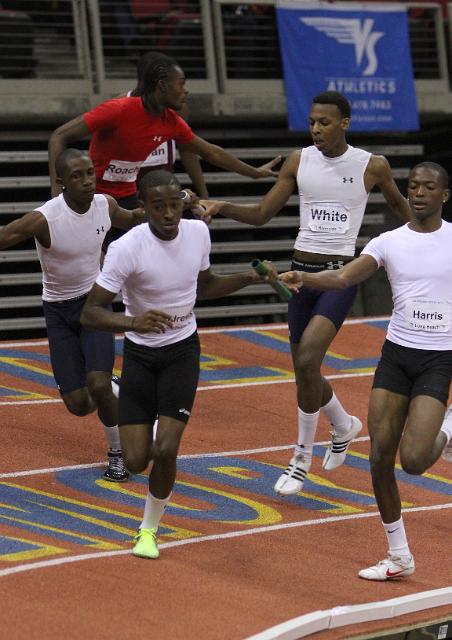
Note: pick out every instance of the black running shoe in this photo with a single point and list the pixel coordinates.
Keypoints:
(116, 471)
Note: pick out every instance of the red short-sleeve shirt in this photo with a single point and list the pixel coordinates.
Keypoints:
(123, 135)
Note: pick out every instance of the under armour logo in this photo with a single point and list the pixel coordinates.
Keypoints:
(157, 138)
(351, 31)
(347, 179)
(99, 230)
(335, 264)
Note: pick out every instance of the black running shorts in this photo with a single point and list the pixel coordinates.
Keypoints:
(75, 350)
(414, 372)
(159, 381)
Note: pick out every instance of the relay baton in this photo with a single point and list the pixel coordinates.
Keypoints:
(284, 292)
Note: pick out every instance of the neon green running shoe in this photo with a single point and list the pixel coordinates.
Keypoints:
(146, 544)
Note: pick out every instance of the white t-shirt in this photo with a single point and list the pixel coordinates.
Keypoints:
(71, 265)
(160, 275)
(419, 268)
(333, 199)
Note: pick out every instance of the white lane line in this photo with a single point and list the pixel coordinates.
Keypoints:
(210, 538)
(267, 327)
(212, 387)
(241, 452)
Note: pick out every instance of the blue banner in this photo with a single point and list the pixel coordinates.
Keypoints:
(361, 50)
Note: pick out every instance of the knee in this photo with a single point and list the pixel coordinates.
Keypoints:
(307, 362)
(100, 389)
(165, 452)
(80, 406)
(134, 461)
(381, 460)
(411, 463)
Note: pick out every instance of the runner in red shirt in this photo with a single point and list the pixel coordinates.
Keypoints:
(125, 130)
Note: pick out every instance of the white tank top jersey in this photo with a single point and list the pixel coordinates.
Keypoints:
(160, 275)
(332, 200)
(419, 268)
(71, 265)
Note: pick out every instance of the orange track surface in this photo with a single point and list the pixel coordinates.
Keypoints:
(295, 558)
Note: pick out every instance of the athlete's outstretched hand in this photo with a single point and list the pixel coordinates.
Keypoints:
(211, 208)
(266, 170)
(292, 279)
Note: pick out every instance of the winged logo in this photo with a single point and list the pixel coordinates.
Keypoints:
(351, 31)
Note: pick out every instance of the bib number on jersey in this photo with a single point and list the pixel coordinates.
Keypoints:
(328, 217)
(121, 171)
(423, 314)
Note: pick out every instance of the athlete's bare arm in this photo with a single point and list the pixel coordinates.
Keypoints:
(378, 173)
(212, 285)
(71, 131)
(31, 225)
(192, 166)
(221, 158)
(272, 203)
(352, 273)
(123, 218)
(96, 315)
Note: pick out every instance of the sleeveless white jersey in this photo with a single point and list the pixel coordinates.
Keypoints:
(71, 265)
(332, 200)
(419, 268)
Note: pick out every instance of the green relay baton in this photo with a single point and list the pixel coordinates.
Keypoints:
(284, 292)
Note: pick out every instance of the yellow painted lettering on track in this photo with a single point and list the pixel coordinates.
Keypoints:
(265, 515)
(24, 364)
(40, 550)
(179, 533)
(235, 472)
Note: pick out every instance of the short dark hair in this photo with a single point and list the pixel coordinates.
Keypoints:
(334, 97)
(157, 178)
(152, 67)
(64, 157)
(434, 166)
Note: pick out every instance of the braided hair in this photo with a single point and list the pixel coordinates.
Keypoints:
(151, 68)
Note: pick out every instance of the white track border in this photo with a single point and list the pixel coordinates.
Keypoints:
(355, 614)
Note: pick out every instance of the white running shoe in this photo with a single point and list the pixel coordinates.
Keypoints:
(115, 384)
(447, 452)
(336, 452)
(291, 481)
(389, 568)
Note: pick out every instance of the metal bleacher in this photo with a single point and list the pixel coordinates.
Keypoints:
(67, 56)
(234, 244)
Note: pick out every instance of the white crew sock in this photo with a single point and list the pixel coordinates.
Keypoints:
(115, 388)
(397, 540)
(307, 426)
(112, 435)
(153, 511)
(446, 427)
(341, 421)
